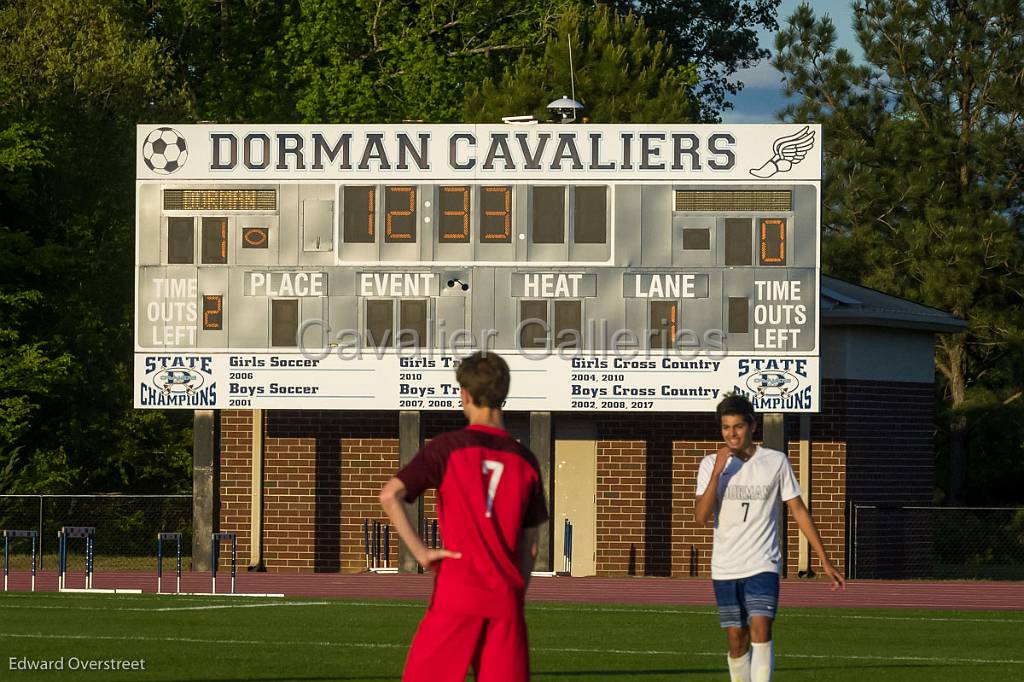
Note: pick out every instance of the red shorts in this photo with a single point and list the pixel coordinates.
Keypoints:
(447, 644)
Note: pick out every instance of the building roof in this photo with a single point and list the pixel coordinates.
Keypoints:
(843, 303)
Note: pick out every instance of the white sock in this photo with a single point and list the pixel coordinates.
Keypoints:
(739, 668)
(762, 661)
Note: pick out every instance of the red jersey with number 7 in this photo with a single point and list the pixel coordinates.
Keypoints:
(488, 491)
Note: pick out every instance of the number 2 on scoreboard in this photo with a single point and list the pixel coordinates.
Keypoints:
(494, 469)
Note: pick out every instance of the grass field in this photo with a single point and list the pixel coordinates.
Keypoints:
(243, 639)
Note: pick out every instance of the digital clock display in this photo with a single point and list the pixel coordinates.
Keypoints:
(496, 214)
(454, 212)
(399, 214)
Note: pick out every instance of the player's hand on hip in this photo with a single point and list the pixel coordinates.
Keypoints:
(433, 556)
(838, 582)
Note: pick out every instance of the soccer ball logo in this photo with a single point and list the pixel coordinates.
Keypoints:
(164, 151)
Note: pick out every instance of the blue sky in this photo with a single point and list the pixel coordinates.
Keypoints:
(762, 96)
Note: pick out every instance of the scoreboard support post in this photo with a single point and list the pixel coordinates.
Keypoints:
(803, 563)
(410, 438)
(542, 444)
(774, 437)
(204, 447)
(256, 495)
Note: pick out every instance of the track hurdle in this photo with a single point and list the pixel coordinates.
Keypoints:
(88, 533)
(567, 547)
(217, 539)
(8, 535)
(428, 533)
(160, 538)
(377, 547)
(366, 542)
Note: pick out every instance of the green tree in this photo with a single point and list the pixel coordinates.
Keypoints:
(75, 78)
(227, 54)
(718, 37)
(923, 194)
(623, 74)
(390, 61)
(358, 61)
(28, 375)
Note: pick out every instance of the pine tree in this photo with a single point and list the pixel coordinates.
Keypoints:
(922, 199)
(622, 71)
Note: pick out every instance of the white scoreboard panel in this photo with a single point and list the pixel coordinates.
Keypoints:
(350, 267)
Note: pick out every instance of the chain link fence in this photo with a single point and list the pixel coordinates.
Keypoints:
(126, 528)
(950, 543)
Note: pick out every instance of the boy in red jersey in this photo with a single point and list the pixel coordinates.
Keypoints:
(490, 502)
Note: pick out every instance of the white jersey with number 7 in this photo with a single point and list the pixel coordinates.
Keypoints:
(750, 496)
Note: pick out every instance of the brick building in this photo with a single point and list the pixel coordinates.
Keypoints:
(296, 486)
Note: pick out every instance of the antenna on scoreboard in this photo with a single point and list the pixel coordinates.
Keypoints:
(572, 71)
(566, 110)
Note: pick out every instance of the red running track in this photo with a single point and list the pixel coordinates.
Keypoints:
(996, 596)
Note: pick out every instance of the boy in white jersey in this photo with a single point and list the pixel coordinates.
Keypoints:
(743, 485)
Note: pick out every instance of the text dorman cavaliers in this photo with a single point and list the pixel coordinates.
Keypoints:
(545, 151)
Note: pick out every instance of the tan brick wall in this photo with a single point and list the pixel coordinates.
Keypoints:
(691, 543)
(366, 465)
(235, 482)
(621, 507)
(319, 485)
(828, 503)
(323, 471)
(289, 504)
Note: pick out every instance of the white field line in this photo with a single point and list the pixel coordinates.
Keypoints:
(710, 611)
(205, 607)
(583, 608)
(785, 614)
(572, 650)
(239, 606)
(144, 596)
(842, 657)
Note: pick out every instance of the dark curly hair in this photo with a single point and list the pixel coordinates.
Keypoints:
(736, 404)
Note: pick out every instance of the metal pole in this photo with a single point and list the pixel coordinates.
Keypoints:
(852, 568)
(565, 545)
(6, 564)
(366, 542)
(177, 587)
(159, 561)
(376, 544)
(214, 551)
(234, 551)
(33, 562)
(570, 548)
(40, 531)
(60, 559)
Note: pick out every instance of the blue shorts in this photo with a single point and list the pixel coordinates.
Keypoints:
(739, 599)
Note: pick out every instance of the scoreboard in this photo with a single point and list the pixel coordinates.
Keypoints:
(647, 267)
